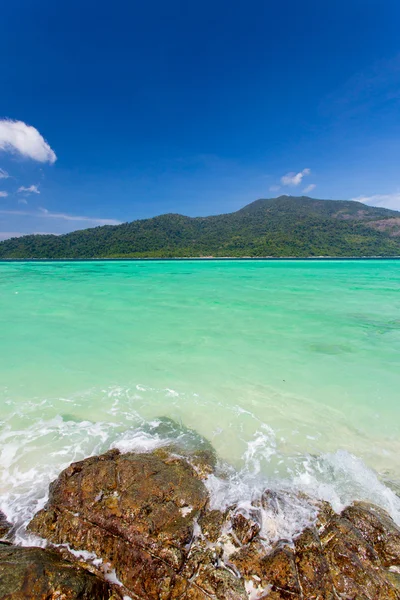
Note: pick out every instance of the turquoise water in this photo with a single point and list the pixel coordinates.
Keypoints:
(290, 368)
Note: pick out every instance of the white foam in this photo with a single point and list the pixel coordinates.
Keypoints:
(261, 448)
(186, 510)
(89, 557)
(254, 591)
(139, 441)
(111, 576)
(341, 478)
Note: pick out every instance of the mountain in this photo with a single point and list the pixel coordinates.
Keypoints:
(284, 226)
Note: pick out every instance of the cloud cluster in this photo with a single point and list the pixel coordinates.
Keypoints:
(3, 194)
(23, 139)
(32, 189)
(293, 179)
(391, 201)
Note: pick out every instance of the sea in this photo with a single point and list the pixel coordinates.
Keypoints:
(290, 369)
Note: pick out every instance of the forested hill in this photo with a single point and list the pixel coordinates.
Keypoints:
(284, 226)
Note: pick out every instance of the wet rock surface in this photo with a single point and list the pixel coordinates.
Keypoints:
(136, 511)
(27, 573)
(148, 516)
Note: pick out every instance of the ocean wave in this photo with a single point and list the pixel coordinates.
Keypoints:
(35, 449)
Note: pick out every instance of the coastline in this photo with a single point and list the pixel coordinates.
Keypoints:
(207, 258)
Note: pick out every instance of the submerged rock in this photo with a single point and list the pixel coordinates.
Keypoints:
(27, 573)
(148, 516)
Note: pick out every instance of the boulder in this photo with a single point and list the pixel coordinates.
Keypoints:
(138, 512)
(39, 574)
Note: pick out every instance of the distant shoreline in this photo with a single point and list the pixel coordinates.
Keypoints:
(204, 258)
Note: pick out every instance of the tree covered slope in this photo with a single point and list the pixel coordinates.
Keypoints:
(284, 226)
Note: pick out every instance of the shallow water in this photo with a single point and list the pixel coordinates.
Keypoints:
(290, 369)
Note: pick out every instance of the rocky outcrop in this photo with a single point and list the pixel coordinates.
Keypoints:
(140, 513)
(148, 517)
(27, 573)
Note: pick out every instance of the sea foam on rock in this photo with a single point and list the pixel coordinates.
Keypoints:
(148, 517)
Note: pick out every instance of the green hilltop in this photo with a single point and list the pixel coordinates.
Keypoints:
(285, 226)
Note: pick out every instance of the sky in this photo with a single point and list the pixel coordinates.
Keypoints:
(111, 112)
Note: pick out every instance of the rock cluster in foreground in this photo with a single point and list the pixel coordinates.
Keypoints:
(144, 522)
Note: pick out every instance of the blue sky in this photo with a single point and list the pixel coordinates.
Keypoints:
(116, 111)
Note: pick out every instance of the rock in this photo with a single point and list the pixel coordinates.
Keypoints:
(278, 570)
(195, 448)
(211, 523)
(312, 566)
(354, 567)
(244, 528)
(138, 512)
(378, 530)
(5, 526)
(148, 516)
(35, 573)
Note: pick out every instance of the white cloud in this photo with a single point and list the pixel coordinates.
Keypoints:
(32, 189)
(391, 201)
(4, 174)
(50, 215)
(44, 213)
(309, 188)
(274, 188)
(3, 194)
(22, 201)
(294, 179)
(17, 136)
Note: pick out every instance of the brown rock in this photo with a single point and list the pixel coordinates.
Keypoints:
(278, 570)
(135, 511)
(211, 523)
(219, 583)
(247, 560)
(245, 529)
(34, 573)
(354, 565)
(378, 529)
(312, 567)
